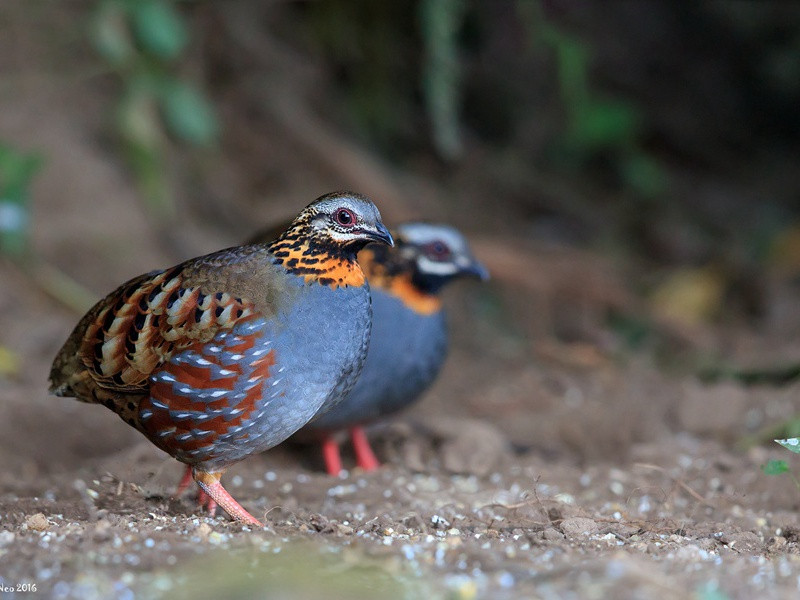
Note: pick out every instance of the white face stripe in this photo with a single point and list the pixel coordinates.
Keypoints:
(430, 267)
(418, 235)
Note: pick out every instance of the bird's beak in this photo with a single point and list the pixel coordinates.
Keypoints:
(476, 269)
(380, 234)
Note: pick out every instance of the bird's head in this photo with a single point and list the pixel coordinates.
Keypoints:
(344, 220)
(322, 242)
(438, 253)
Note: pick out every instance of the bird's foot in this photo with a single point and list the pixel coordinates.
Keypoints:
(218, 496)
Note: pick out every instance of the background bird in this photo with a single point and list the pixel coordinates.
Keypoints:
(228, 354)
(409, 333)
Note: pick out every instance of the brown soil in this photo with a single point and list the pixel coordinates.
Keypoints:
(568, 470)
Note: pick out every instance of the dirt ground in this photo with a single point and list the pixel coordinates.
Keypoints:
(533, 469)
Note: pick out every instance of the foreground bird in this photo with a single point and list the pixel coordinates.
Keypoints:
(408, 345)
(228, 354)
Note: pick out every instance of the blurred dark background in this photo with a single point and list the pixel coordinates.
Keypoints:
(628, 170)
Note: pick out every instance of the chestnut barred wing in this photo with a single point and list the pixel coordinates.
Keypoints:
(138, 327)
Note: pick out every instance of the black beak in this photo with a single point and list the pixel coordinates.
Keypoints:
(380, 234)
(476, 269)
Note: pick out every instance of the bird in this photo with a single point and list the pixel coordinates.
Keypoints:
(228, 354)
(409, 338)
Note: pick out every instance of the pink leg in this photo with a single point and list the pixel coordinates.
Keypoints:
(365, 457)
(330, 452)
(218, 495)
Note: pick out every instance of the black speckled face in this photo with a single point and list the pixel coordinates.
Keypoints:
(322, 242)
(347, 219)
(440, 253)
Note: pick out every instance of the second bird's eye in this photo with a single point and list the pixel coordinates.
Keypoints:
(345, 217)
(438, 250)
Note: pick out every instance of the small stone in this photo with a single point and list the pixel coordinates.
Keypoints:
(203, 530)
(37, 522)
(102, 530)
(342, 529)
(779, 541)
(552, 534)
(578, 526)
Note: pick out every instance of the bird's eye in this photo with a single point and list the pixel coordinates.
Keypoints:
(344, 217)
(438, 250)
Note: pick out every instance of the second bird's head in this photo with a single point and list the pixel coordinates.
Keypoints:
(438, 254)
(343, 220)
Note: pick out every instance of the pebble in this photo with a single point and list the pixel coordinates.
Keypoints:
(102, 530)
(204, 530)
(37, 522)
(553, 535)
(576, 526)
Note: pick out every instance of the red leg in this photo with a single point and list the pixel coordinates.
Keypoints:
(203, 500)
(185, 481)
(365, 457)
(218, 495)
(330, 452)
(211, 506)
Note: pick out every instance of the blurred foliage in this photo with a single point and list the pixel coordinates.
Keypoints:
(779, 467)
(10, 362)
(368, 47)
(595, 124)
(17, 170)
(392, 69)
(440, 22)
(142, 40)
(689, 296)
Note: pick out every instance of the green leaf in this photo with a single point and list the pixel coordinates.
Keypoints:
(159, 28)
(599, 124)
(187, 113)
(775, 467)
(137, 117)
(110, 34)
(792, 444)
(644, 175)
(16, 173)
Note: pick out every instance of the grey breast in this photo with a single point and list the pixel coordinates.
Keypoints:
(406, 353)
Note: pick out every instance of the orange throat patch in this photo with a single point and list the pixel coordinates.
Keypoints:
(403, 289)
(398, 284)
(317, 266)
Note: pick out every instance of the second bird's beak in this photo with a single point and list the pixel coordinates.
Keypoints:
(476, 269)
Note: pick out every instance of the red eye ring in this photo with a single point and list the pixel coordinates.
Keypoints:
(344, 217)
(438, 250)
